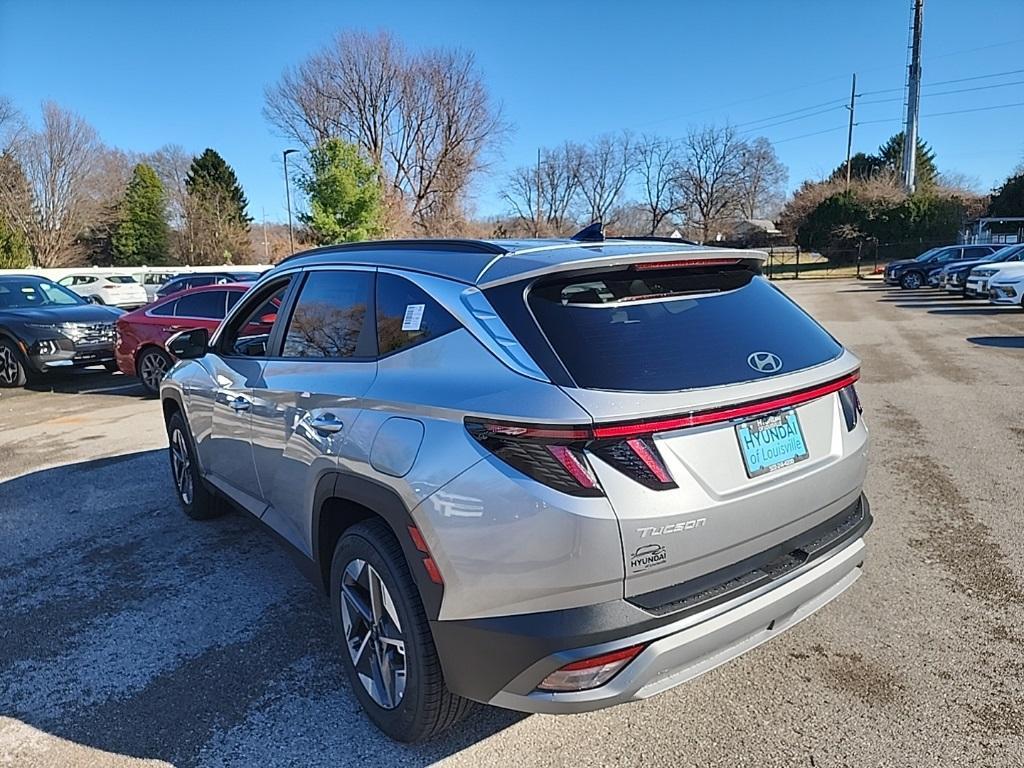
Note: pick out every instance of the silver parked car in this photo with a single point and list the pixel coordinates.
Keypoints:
(550, 476)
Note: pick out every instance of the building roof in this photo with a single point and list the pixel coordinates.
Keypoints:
(492, 262)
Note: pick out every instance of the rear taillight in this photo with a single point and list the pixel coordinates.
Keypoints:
(590, 673)
(550, 455)
(557, 456)
(852, 408)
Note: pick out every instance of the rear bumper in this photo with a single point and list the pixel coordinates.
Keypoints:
(501, 661)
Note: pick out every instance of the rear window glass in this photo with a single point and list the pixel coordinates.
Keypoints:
(206, 304)
(675, 329)
(406, 316)
(120, 279)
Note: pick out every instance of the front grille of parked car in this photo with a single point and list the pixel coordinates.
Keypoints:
(734, 580)
(89, 333)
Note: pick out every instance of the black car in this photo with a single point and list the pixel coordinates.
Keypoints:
(195, 279)
(914, 273)
(44, 326)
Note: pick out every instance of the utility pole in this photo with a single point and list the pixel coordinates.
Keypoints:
(913, 102)
(536, 207)
(266, 246)
(849, 132)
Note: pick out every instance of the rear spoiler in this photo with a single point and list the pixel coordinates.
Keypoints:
(640, 261)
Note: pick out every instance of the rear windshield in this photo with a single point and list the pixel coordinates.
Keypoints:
(665, 330)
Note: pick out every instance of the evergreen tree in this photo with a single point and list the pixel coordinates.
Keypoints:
(141, 235)
(891, 156)
(344, 194)
(216, 222)
(14, 250)
(211, 176)
(1008, 200)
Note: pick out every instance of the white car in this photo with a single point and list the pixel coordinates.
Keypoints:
(978, 279)
(114, 290)
(1007, 285)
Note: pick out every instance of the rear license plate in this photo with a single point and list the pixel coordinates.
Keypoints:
(771, 442)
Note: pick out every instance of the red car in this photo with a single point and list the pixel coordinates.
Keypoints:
(141, 336)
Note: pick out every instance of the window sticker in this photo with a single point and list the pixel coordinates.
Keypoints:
(413, 317)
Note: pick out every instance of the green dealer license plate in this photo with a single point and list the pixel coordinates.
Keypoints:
(771, 442)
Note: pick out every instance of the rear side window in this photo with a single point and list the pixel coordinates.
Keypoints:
(665, 330)
(407, 316)
(329, 319)
(164, 310)
(205, 304)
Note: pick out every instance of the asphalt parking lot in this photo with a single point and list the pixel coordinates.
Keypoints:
(132, 636)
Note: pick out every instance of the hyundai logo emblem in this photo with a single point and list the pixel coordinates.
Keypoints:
(765, 362)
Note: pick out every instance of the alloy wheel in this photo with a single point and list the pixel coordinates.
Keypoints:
(913, 280)
(152, 368)
(373, 633)
(9, 367)
(181, 463)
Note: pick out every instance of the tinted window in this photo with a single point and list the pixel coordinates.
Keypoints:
(207, 304)
(249, 331)
(233, 297)
(330, 316)
(676, 329)
(120, 279)
(164, 310)
(28, 292)
(977, 252)
(406, 315)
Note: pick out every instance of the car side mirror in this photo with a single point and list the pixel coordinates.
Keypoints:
(189, 345)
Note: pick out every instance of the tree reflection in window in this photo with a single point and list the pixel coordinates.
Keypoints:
(322, 329)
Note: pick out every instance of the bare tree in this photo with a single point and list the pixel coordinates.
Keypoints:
(711, 177)
(12, 125)
(604, 169)
(426, 120)
(171, 163)
(762, 179)
(544, 195)
(658, 164)
(61, 165)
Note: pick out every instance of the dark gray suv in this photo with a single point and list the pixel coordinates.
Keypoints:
(551, 476)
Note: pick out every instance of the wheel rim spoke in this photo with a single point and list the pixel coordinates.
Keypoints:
(373, 633)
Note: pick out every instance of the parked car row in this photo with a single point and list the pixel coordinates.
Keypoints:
(81, 321)
(994, 272)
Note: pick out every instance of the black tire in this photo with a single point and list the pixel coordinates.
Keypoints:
(427, 707)
(13, 370)
(111, 366)
(198, 501)
(151, 366)
(912, 281)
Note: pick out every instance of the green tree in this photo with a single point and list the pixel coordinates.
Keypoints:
(216, 222)
(1008, 200)
(14, 250)
(210, 175)
(891, 156)
(141, 235)
(344, 194)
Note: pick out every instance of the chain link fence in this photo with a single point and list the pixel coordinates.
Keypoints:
(791, 262)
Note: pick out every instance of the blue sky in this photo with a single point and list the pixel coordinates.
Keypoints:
(192, 73)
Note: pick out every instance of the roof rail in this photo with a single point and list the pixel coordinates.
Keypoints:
(655, 239)
(423, 244)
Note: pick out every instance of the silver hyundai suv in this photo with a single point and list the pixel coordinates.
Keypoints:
(550, 476)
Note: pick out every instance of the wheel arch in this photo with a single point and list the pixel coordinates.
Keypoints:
(341, 501)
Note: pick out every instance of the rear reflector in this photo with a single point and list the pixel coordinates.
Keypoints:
(433, 572)
(590, 673)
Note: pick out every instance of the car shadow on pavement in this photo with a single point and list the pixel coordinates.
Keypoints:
(977, 310)
(131, 629)
(1004, 342)
(87, 381)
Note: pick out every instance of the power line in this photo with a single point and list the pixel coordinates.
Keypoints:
(794, 119)
(791, 112)
(814, 133)
(947, 93)
(948, 82)
(976, 109)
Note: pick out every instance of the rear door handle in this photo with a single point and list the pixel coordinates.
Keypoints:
(326, 422)
(239, 404)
